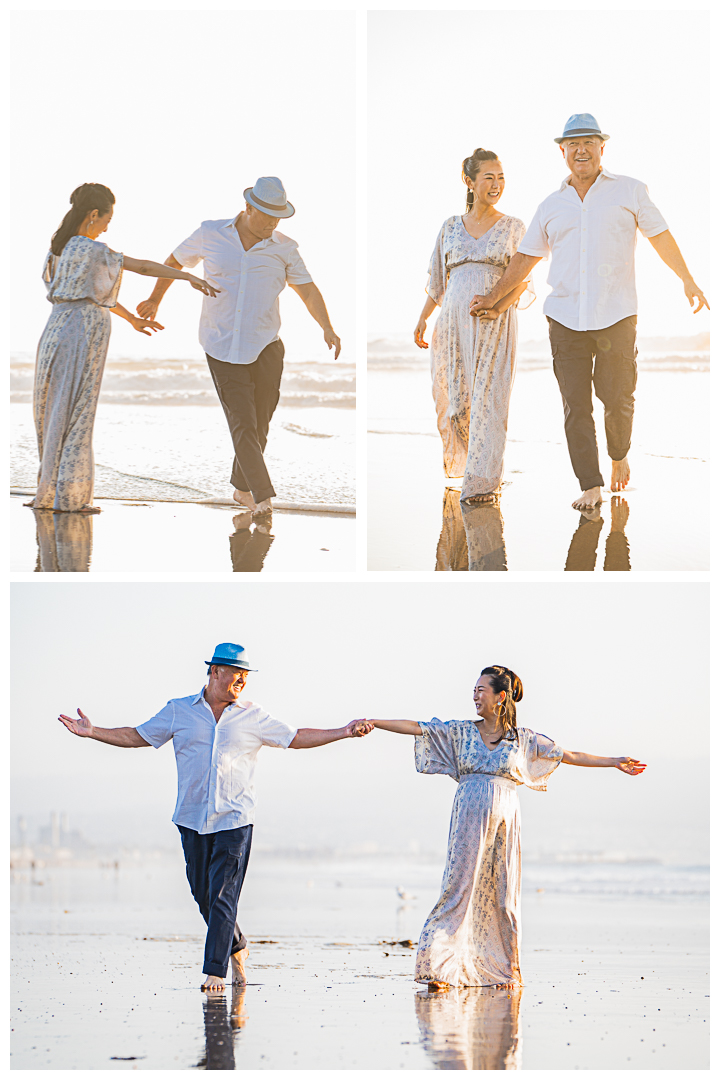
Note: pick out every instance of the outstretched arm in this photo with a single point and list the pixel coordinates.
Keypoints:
(148, 309)
(517, 270)
(307, 737)
(628, 765)
(313, 301)
(143, 326)
(119, 736)
(666, 247)
(400, 727)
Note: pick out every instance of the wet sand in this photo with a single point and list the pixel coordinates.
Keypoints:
(661, 522)
(134, 536)
(106, 972)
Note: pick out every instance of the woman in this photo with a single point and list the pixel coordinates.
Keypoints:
(82, 277)
(473, 359)
(472, 935)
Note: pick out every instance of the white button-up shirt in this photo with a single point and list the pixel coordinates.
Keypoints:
(592, 240)
(215, 761)
(237, 324)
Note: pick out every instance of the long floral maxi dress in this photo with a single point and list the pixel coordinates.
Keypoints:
(82, 284)
(472, 935)
(473, 360)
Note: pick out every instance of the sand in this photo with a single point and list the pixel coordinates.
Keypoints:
(166, 537)
(661, 522)
(106, 972)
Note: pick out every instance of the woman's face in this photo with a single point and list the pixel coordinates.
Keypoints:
(485, 697)
(489, 183)
(100, 224)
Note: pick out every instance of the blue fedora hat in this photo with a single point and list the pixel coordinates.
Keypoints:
(231, 656)
(582, 123)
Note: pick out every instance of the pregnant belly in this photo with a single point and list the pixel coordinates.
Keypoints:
(471, 279)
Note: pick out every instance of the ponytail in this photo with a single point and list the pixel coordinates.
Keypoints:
(83, 201)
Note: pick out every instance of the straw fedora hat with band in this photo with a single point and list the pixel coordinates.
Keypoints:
(268, 195)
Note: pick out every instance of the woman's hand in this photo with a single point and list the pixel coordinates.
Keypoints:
(358, 728)
(478, 302)
(419, 334)
(483, 313)
(144, 326)
(202, 286)
(629, 765)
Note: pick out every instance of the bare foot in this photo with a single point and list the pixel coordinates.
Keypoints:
(620, 475)
(475, 499)
(264, 507)
(238, 967)
(244, 498)
(589, 498)
(438, 987)
(213, 984)
(620, 513)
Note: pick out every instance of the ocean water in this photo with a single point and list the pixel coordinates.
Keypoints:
(160, 433)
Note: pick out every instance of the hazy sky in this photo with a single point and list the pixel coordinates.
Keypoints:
(443, 83)
(178, 112)
(608, 669)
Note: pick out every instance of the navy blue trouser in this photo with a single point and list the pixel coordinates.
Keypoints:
(216, 865)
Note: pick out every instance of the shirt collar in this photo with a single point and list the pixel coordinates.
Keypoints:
(603, 173)
(270, 240)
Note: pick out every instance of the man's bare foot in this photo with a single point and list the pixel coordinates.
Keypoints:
(244, 498)
(238, 967)
(620, 475)
(589, 498)
(264, 507)
(213, 984)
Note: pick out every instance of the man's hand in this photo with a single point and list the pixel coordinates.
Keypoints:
(332, 341)
(693, 293)
(81, 727)
(358, 728)
(479, 303)
(148, 309)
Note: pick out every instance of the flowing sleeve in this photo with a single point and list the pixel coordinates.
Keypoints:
(436, 270)
(529, 296)
(537, 757)
(103, 284)
(435, 749)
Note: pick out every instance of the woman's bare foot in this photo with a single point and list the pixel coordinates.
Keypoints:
(589, 498)
(213, 984)
(238, 967)
(474, 500)
(620, 475)
(244, 498)
(264, 507)
(436, 986)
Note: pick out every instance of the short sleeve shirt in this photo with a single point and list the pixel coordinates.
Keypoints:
(215, 761)
(592, 243)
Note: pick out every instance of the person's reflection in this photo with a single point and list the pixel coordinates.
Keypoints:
(472, 535)
(470, 1027)
(220, 1026)
(582, 553)
(249, 546)
(64, 542)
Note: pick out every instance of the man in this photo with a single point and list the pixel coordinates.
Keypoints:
(216, 739)
(590, 225)
(251, 263)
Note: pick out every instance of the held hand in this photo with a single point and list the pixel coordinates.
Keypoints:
(144, 326)
(332, 341)
(81, 727)
(148, 309)
(480, 303)
(419, 334)
(358, 728)
(485, 313)
(202, 286)
(629, 765)
(693, 293)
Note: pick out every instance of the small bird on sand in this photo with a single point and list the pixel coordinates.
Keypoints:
(400, 890)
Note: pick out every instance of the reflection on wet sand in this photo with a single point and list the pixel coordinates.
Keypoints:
(64, 542)
(472, 536)
(249, 546)
(470, 1027)
(221, 1024)
(582, 553)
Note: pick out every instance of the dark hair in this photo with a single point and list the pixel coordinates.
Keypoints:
(470, 169)
(502, 678)
(84, 199)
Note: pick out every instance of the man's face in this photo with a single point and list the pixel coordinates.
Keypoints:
(228, 682)
(259, 224)
(583, 155)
